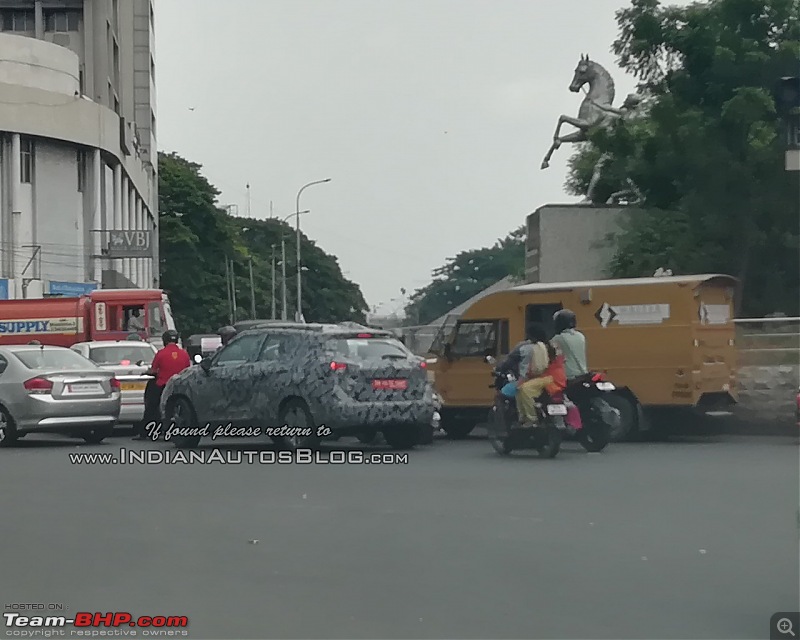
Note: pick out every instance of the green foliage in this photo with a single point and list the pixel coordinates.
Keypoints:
(196, 236)
(466, 275)
(708, 155)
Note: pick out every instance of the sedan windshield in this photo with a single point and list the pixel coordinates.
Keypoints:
(122, 354)
(58, 359)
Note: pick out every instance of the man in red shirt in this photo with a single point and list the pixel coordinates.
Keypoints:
(168, 362)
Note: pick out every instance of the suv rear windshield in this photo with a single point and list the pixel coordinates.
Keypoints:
(58, 359)
(117, 354)
(369, 348)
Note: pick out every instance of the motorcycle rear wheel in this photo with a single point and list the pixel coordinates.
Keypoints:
(553, 443)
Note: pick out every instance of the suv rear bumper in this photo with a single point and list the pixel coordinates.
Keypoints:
(343, 415)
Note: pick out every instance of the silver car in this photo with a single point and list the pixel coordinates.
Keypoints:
(55, 390)
(129, 360)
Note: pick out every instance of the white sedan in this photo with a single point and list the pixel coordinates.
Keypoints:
(129, 360)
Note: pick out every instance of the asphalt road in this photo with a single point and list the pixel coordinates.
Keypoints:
(696, 538)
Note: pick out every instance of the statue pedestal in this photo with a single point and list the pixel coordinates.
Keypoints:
(572, 242)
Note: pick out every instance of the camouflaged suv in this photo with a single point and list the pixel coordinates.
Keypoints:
(353, 380)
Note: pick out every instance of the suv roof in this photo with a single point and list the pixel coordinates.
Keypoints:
(345, 328)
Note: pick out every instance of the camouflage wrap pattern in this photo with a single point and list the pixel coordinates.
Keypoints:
(250, 381)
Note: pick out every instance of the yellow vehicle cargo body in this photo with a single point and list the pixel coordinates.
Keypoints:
(666, 341)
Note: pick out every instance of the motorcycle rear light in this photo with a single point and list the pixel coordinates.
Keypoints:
(423, 365)
(38, 385)
(338, 366)
(115, 384)
(598, 377)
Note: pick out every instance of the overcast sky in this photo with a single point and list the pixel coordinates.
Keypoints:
(430, 116)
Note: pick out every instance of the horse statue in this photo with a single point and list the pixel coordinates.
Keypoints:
(596, 108)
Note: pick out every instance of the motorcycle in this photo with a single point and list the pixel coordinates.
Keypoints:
(598, 418)
(505, 432)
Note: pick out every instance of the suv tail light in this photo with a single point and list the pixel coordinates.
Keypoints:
(364, 335)
(115, 384)
(38, 386)
(338, 366)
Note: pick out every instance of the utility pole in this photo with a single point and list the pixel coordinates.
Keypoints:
(248, 199)
(252, 292)
(273, 282)
(233, 290)
(283, 275)
(228, 290)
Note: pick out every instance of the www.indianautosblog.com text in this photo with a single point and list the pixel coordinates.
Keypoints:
(236, 456)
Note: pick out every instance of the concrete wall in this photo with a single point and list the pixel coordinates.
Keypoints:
(32, 63)
(768, 392)
(571, 242)
(59, 219)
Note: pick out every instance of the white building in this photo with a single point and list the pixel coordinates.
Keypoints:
(78, 153)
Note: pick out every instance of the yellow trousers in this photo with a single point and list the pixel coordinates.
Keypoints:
(527, 393)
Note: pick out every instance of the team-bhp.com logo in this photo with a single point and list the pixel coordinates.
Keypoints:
(86, 619)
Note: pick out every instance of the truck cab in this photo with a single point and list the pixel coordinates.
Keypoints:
(117, 313)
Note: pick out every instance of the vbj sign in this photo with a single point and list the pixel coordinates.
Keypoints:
(129, 244)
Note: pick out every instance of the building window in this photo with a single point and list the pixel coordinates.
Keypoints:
(115, 12)
(116, 63)
(17, 20)
(26, 160)
(62, 21)
(81, 170)
(82, 80)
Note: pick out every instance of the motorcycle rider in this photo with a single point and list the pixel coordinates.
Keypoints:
(545, 373)
(572, 343)
(519, 359)
(168, 362)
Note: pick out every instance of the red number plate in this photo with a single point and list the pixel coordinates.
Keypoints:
(393, 385)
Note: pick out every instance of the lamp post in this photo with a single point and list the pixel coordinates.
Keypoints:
(299, 270)
(273, 282)
(284, 310)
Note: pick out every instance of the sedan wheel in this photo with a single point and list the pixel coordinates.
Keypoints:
(8, 433)
(97, 434)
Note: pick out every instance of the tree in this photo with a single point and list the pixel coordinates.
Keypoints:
(327, 295)
(466, 275)
(708, 155)
(197, 237)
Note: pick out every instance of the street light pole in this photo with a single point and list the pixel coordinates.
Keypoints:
(284, 307)
(273, 282)
(299, 265)
(252, 291)
(283, 275)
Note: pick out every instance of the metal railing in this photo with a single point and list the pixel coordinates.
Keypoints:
(768, 341)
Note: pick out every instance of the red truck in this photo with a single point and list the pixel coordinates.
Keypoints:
(103, 314)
